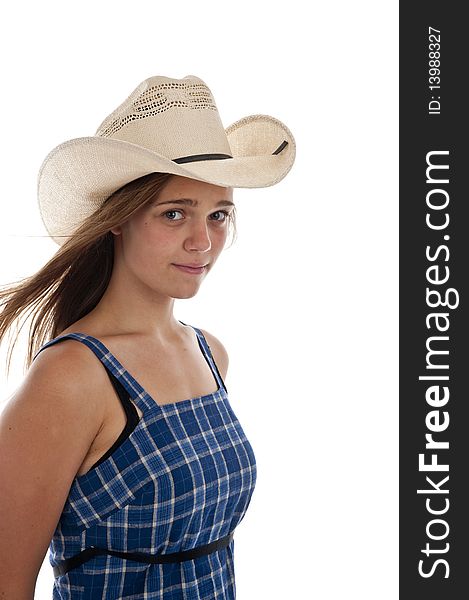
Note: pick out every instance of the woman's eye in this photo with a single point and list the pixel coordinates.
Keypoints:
(172, 212)
(223, 213)
(219, 216)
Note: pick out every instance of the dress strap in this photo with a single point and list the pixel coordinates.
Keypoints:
(131, 385)
(206, 351)
(111, 364)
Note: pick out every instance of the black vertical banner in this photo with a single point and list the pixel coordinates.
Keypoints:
(433, 263)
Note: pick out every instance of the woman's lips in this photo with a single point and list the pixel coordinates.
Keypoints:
(192, 270)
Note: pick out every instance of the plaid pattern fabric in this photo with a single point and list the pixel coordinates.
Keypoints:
(183, 478)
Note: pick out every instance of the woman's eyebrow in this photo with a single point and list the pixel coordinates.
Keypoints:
(191, 202)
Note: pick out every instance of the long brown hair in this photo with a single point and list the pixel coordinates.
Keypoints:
(74, 280)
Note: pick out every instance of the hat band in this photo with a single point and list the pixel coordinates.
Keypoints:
(197, 157)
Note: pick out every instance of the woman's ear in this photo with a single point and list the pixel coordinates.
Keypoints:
(116, 230)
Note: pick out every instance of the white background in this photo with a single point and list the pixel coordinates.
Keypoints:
(306, 300)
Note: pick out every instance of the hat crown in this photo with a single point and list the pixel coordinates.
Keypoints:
(173, 117)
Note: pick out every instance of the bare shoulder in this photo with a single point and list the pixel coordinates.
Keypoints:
(219, 352)
(57, 380)
(66, 365)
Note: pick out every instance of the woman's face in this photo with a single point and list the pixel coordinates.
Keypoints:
(186, 225)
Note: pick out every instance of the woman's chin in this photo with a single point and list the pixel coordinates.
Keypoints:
(184, 294)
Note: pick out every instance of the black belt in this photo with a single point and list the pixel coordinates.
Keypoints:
(75, 561)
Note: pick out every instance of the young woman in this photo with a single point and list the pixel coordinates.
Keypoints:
(121, 450)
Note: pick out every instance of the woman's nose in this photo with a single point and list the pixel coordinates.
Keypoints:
(198, 238)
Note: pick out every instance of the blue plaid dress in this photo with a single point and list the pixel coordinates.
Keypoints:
(183, 478)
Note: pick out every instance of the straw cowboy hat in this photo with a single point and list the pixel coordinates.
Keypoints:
(166, 125)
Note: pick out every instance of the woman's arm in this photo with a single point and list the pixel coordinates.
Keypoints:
(46, 430)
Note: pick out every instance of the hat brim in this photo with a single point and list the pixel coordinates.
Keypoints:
(78, 175)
